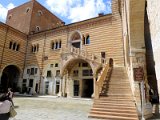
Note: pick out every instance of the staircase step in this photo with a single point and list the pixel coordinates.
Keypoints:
(115, 105)
(112, 117)
(115, 110)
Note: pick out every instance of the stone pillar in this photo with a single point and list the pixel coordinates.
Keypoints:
(94, 85)
(138, 60)
(69, 87)
(60, 87)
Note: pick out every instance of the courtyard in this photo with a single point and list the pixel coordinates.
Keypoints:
(52, 108)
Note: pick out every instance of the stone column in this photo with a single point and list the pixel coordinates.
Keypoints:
(69, 87)
(60, 87)
(94, 85)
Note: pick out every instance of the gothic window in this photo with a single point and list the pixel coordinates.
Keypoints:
(17, 49)
(59, 44)
(35, 48)
(14, 46)
(83, 39)
(87, 40)
(10, 45)
(56, 45)
(53, 45)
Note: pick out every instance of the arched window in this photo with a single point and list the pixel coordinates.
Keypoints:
(53, 45)
(9, 17)
(56, 45)
(60, 44)
(27, 10)
(10, 45)
(40, 13)
(84, 40)
(17, 49)
(34, 48)
(37, 28)
(88, 40)
(14, 46)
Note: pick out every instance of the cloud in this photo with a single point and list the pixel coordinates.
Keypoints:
(77, 10)
(4, 11)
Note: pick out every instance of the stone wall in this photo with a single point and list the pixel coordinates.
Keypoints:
(153, 8)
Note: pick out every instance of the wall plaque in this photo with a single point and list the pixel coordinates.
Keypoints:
(138, 74)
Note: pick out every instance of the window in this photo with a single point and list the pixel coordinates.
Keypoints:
(17, 49)
(49, 73)
(27, 10)
(32, 71)
(75, 73)
(40, 13)
(37, 28)
(35, 70)
(57, 72)
(9, 17)
(35, 48)
(31, 83)
(51, 65)
(53, 45)
(10, 45)
(87, 40)
(14, 46)
(28, 71)
(60, 44)
(84, 64)
(56, 65)
(56, 45)
(87, 72)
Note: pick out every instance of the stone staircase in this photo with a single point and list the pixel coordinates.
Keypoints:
(115, 101)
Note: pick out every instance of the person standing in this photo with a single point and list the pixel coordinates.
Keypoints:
(10, 95)
(5, 106)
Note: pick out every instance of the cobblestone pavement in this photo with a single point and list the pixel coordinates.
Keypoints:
(51, 108)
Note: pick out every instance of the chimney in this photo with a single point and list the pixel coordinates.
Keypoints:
(101, 14)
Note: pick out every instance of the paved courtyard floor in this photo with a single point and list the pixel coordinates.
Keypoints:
(52, 108)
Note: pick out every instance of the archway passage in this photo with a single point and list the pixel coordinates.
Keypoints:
(9, 79)
(87, 88)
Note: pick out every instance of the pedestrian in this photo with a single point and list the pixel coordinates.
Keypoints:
(5, 106)
(10, 95)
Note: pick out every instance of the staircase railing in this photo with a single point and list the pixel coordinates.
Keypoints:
(102, 77)
(84, 54)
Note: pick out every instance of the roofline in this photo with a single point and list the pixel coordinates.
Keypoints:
(79, 22)
(39, 4)
(1, 23)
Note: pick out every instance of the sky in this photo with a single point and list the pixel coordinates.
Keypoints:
(68, 10)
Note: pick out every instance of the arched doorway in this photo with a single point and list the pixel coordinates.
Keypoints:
(9, 78)
(79, 78)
